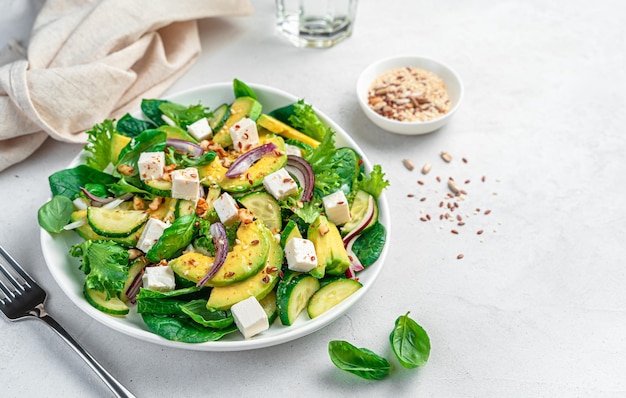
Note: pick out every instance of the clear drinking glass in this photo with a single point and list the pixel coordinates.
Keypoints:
(315, 23)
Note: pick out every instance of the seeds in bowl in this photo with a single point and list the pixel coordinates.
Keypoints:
(409, 95)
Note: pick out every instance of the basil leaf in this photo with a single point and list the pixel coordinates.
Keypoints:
(410, 342)
(150, 108)
(359, 361)
(132, 127)
(55, 214)
(174, 239)
(241, 89)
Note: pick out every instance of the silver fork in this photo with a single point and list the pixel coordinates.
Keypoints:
(22, 298)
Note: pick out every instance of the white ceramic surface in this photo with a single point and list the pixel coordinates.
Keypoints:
(65, 271)
(449, 76)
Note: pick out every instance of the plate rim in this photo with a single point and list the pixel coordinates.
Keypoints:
(122, 325)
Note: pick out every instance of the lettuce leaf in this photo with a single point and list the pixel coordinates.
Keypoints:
(99, 145)
(306, 120)
(105, 265)
(374, 183)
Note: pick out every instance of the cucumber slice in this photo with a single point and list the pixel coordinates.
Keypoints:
(291, 231)
(158, 187)
(112, 306)
(269, 306)
(330, 295)
(293, 294)
(184, 207)
(359, 211)
(220, 115)
(115, 223)
(264, 207)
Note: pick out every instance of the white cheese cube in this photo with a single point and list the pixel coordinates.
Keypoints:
(300, 254)
(186, 184)
(200, 129)
(250, 317)
(226, 208)
(151, 233)
(151, 165)
(337, 208)
(159, 278)
(244, 134)
(280, 185)
(293, 150)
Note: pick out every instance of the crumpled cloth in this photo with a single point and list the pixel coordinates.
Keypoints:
(92, 60)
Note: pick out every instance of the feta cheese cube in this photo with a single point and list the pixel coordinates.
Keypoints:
(244, 134)
(200, 129)
(159, 278)
(226, 208)
(293, 150)
(280, 185)
(250, 317)
(337, 208)
(151, 233)
(151, 165)
(300, 254)
(186, 184)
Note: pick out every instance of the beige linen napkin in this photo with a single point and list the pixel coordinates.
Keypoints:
(88, 61)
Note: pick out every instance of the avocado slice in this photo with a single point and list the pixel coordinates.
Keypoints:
(332, 257)
(215, 173)
(246, 259)
(258, 285)
(240, 108)
(177, 133)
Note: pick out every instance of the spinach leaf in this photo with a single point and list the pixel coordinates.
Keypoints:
(198, 311)
(359, 361)
(55, 214)
(129, 185)
(183, 329)
(148, 141)
(184, 160)
(99, 145)
(150, 108)
(160, 306)
(347, 169)
(68, 182)
(96, 189)
(410, 342)
(174, 239)
(183, 115)
(241, 89)
(132, 127)
(106, 265)
(370, 244)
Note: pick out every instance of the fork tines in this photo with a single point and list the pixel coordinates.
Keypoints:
(13, 279)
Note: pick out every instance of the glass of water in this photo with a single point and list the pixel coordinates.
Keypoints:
(315, 23)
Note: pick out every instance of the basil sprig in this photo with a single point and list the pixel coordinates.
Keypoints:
(359, 361)
(410, 342)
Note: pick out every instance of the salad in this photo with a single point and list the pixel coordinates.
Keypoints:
(213, 220)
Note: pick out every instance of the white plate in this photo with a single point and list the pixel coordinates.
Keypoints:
(64, 268)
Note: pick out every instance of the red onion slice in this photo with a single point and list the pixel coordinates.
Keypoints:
(134, 287)
(185, 147)
(245, 161)
(220, 240)
(369, 215)
(96, 200)
(355, 263)
(302, 170)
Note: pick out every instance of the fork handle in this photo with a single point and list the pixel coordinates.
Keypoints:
(118, 389)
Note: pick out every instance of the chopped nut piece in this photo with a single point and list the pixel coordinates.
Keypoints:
(126, 170)
(323, 229)
(245, 216)
(156, 202)
(408, 164)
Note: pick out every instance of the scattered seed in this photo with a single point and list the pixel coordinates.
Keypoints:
(454, 231)
(483, 179)
(441, 204)
(460, 224)
(446, 157)
(458, 217)
(479, 232)
(464, 160)
(438, 179)
(487, 212)
(428, 216)
(467, 181)
(423, 219)
(420, 182)
(460, 256)
(410, 195)
(426, 168)
(408, 164)
(422, 199)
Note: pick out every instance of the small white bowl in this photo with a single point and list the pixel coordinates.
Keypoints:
(449, 76)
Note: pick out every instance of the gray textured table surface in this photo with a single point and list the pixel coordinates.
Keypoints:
(537, 305)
